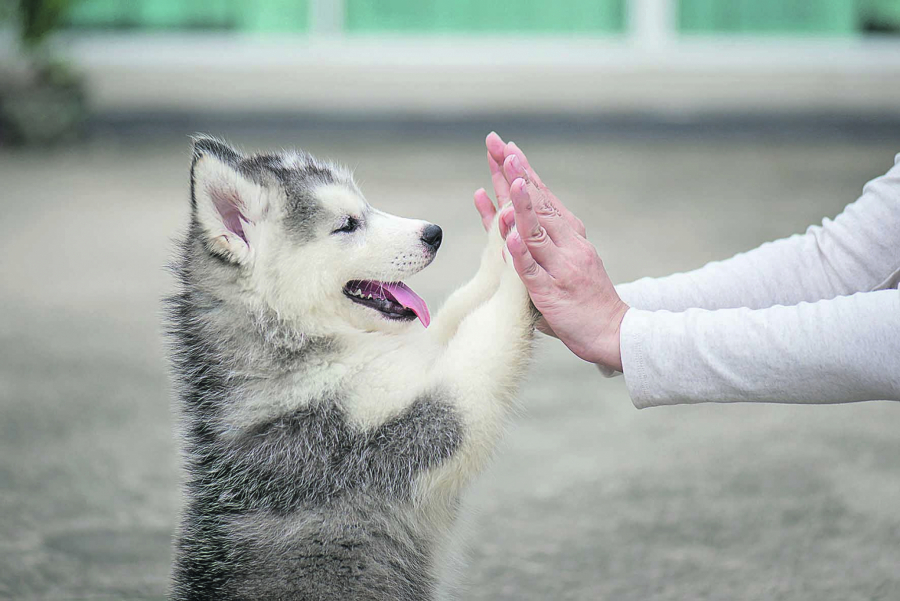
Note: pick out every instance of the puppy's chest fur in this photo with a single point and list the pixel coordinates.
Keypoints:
(308, 477)
(312, 444)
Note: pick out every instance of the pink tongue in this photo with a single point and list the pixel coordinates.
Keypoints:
(409, 299)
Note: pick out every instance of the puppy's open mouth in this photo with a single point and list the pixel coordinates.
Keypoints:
(394, 300)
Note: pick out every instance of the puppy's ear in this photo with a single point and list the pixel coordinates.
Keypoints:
(227, 204)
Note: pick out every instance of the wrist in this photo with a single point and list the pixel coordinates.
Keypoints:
(607, 349)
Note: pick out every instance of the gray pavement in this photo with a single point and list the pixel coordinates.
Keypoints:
(588, 498)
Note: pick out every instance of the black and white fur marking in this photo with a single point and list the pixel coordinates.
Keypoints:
(325, 442)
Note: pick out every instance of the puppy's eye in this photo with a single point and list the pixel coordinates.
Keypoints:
(350, 224)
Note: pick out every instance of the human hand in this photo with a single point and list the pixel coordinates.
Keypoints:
(498, 152)
(562, 271)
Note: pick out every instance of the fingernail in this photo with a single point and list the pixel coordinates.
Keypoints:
(516, 164)
(519, 184)
(509, 219)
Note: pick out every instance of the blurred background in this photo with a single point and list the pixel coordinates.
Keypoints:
(681, 131)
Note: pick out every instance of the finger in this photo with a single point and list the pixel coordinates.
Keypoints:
(512, 149)
(496, 147)
(541, 247)
(507, 221)
(501, 186)
(513, 169)
(574, 222)
(571, 220)
(549, 216)
(535, 278)
(485, 207)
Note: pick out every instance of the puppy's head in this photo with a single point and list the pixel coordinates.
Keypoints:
(295, 235)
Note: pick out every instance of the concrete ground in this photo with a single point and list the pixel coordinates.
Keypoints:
(588, 498)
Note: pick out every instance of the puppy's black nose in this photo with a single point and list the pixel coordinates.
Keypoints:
(432, 236)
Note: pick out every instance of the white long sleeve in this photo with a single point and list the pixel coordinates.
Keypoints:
(840, 350)
(730, 342)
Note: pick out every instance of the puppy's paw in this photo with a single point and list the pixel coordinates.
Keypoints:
(510, 280)
(495, 256)
(494, 235)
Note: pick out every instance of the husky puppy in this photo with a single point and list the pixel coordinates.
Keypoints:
(326, 435)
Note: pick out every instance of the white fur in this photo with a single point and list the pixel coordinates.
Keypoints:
(475, 351)
(216, 180)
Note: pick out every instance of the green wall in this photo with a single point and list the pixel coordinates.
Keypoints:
(244, 15)
(834, 17)
(533, 17)
(474, 16)
(802, 17)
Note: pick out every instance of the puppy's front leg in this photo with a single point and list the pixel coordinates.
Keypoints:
(475, 292)
(480, 370)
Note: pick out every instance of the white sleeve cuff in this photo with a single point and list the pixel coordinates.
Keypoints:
(635, 326)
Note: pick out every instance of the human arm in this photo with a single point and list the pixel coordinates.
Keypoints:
(844, 349)
(839, 350)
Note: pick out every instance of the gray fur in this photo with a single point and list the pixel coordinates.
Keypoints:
(297, 173)
(358, 548)
(303, 505)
